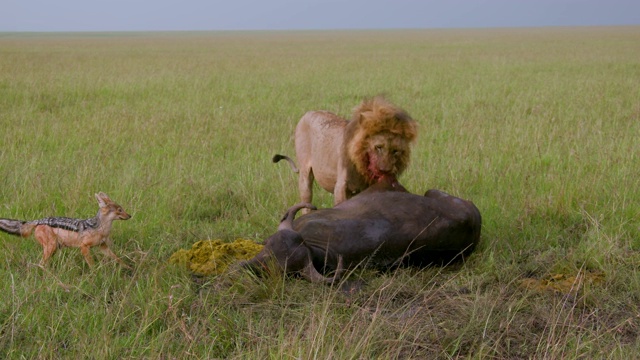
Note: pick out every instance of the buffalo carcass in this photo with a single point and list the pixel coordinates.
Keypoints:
(376, 228)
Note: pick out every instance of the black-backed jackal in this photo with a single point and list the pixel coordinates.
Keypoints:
(55, 232)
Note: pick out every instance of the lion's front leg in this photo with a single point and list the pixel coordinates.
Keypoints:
(340, 190)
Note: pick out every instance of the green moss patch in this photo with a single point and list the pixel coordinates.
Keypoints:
(213, 257)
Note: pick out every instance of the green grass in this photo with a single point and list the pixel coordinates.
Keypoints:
(538, 127)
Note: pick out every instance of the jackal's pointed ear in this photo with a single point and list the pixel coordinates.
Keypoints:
(102, 198)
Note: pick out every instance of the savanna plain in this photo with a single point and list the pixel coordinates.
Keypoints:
(538, 127)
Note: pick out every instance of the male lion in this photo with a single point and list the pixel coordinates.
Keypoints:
(346, 157)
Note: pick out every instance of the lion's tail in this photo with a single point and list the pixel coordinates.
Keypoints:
(16, 227)
(278, 157)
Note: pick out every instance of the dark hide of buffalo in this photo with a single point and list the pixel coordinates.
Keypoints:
(376, 228)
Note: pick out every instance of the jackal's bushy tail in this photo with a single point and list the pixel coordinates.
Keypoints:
(16, 227)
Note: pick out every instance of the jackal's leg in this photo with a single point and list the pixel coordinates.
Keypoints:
(85, 250)
(107, 251)
(47, 238)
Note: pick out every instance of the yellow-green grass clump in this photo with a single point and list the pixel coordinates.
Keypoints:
(213, 257)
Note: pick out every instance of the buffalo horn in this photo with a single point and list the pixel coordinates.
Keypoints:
(287, 220)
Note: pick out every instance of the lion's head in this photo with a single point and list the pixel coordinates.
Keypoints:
(379, 138)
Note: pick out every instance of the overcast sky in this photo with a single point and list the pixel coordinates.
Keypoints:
(153, 15)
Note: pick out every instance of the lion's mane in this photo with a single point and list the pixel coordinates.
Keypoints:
(378, 116)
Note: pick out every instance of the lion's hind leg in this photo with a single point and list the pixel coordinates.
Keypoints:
(305, 186)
